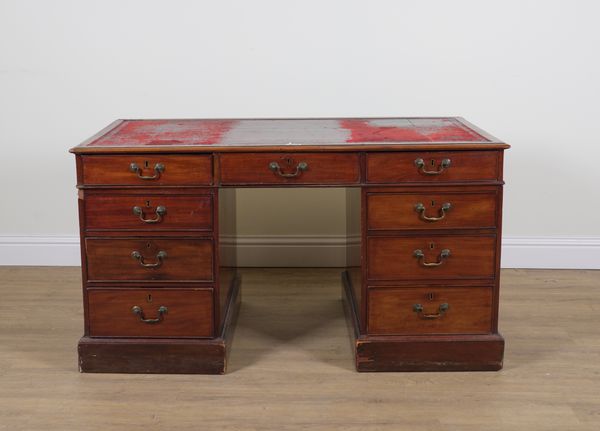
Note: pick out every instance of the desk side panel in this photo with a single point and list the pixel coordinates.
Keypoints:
(354, 246)
(227, 252)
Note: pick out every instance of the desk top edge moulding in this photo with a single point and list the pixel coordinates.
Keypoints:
(161, 290)
(339, 134)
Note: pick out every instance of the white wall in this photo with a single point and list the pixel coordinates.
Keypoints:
(526, 71)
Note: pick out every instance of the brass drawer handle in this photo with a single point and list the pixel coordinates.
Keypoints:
(159, 168)
(420, 208)
(418, 308)
(160, 256)
(300, 167)
(160, 212)
(137, 310)
(420, 164)
(421, 256)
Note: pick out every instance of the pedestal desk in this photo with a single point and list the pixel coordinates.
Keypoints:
(424, 210)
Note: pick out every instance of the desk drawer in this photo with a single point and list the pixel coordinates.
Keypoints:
(147, 170)
(416, 311)
(431, 210)
(431, 257)
(433, 166)
(293, 168)
(148, 212)
(167, 312)
(133, 259)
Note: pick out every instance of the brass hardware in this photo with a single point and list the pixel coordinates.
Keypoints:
(137, 310)
(160, 256)
(421, 256)
(300, 167)
(420, 164)
(418, 308)
(159, 168)
(160, 212)
(420, 208)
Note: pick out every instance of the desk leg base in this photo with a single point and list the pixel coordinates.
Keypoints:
(162, 355)
(420, 353)
(435, 353)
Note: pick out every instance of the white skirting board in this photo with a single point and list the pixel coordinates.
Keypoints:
(315, 251)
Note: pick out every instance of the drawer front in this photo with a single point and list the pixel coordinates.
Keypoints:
(431, 210)
(147, 170)
(415, 311)
(148, 212)
(433, 167)
(297, 168)
(149, 259)
(431, 257)
(150, 312)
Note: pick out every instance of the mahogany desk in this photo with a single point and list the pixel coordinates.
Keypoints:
(424, 196)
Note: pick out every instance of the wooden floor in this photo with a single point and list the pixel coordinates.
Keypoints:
(291, 366)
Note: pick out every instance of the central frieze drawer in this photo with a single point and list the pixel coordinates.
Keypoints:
(148, 212)
(147, 170)
(418, 311)
(292, 168)
(133, 259)
(150, 312)
(431, 257)
(431, 210)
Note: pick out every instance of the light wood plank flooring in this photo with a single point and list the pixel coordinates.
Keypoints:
(291, 366)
